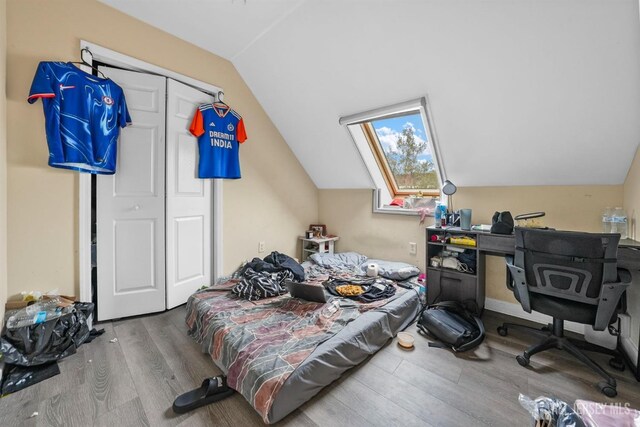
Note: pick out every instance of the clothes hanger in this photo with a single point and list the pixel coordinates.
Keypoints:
(83, 62)
(218, 99)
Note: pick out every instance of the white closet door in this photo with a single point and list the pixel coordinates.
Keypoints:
(130, 205)
(189, 199)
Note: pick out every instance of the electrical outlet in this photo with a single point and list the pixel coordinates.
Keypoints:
(260, 247)
(413, 248)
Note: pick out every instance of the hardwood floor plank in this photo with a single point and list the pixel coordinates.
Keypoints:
(16, 408)
(412, 399)
(74, 407)
(155, 382)
(325, 410)
(445, 363)
(129, 414)
(484, 407)
(72, 375)
(107, 376)
(372, 406)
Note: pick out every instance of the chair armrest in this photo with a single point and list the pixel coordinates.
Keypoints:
(520, 286)
(610, 294)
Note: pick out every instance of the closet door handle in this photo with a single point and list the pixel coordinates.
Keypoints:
(136, 207)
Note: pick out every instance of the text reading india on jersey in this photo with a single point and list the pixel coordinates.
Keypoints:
(220, 139)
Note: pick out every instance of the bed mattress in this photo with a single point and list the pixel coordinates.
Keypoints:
(280, 352)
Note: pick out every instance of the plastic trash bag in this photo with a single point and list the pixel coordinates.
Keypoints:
(556, 412)
(47, 341)
(19, 377)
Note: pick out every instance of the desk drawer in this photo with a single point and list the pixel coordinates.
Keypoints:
(444, 285)
(502, 244)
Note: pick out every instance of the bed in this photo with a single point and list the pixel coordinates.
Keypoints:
(280, 352)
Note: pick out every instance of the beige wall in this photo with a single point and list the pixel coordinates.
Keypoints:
(273, 202)
(632, 197)
(347, 213)
(632, 207)
(3, 157)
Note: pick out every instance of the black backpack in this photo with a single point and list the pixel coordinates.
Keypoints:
(453, 325)
(502, 223)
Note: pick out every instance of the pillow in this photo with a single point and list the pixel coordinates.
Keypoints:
(348, 259)
(391, 269)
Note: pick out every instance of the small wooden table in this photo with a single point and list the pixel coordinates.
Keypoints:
(316, 245)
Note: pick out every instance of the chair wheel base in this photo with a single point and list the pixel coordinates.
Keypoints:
(522, 360)
(502, 331)
(617, 364)
(606, 389)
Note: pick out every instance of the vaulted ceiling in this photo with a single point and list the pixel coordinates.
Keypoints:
(522, 92)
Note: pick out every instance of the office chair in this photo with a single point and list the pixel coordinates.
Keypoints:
(568, 276)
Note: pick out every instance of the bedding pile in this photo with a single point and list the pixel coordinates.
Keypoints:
(265, 278)
(260, 343)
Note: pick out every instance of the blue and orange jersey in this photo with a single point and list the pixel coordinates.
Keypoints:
(83, 116)
(220, 131)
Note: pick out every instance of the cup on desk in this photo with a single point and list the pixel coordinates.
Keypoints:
(465, 219)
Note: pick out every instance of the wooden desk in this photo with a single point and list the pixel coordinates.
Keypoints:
(465, 286)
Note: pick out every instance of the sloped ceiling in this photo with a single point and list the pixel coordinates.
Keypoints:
(522, 92)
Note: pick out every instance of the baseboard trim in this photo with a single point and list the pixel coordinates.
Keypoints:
(516, 310)
(629, 348)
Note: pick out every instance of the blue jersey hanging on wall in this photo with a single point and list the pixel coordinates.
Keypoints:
(220, 131)
(83, 117)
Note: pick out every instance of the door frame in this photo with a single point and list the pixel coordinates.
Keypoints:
(112, 57)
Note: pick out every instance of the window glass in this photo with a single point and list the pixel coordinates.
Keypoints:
(403, 141)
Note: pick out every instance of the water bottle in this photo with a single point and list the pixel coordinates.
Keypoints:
(437, 214)
(619, 222)
(607, 220)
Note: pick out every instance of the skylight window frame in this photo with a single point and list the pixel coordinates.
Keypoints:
(375, 161)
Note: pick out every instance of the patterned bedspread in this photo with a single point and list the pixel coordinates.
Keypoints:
(261, 343)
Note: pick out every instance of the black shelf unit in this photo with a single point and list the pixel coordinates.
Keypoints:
(445, 284)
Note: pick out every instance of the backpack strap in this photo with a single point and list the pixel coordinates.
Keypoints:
(475, 342)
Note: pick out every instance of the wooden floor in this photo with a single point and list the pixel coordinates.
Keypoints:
(133, 383)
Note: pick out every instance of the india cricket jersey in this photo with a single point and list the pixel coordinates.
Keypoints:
(83, 116)
(220, 131)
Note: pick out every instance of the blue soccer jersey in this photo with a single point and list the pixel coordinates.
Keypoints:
(220, 131)
(83, 116)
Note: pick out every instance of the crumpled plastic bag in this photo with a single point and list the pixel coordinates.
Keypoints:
(47, 341)
(596, 414)
(557, 412)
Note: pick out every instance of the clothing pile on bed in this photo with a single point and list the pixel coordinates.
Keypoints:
(265, 278)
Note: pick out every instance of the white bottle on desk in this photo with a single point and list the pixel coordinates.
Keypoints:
(619, 222)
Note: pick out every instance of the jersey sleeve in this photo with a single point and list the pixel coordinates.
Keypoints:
(197, 127)
(124, 119)
(42, 85)
(241, 134)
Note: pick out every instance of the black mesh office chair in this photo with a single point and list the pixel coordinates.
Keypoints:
(568, 276)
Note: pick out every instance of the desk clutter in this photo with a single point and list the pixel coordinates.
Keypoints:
(450, 251)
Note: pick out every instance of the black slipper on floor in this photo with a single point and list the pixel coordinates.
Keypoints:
(211, 390)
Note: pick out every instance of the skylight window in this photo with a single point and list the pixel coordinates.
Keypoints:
(399, 149)
(402, 147)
